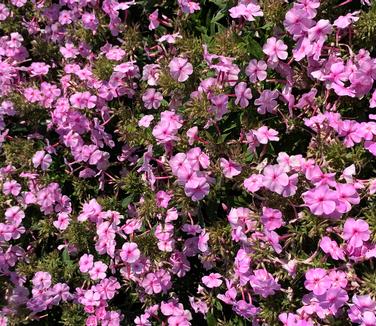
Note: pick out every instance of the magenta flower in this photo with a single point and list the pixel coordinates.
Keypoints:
(247, 11)
(355, 232)
(267, 102)
(230, 168)
(331, 247)
(243, 95)
(98, 271)
(129, 252)
(256, 70)
(317, 281)
(347, 196)
(263, 283)
(83, 100)
(197, 188)
(271, 218)
(86, 262)
(152, 99)
(42, 159)
(275, 49)
(180, 69)
(265, 135)
(213, 280)
(11, 187)
(253, 183)
(42, 280)
(275, 178)
(153, 20)
(321, 200)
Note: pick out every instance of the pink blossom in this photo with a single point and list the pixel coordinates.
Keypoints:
(11, 187)
(267, 102)
(230, 168)
(265, 135)
(248, 12)
(86, 263)
(271, 218)
(253, 183)
(180, 69)
(98, 271)
(129, 252)
(274, 178)
(42, 159)
(153, 19)
(355, 232)
(263, 283)
(321, 200)
(243, 94)
(152, 99)
(275, 49)
(317, 281)
(256, 70)
(212, 280)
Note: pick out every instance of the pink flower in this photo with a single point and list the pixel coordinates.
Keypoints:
(256, 70)
(275, 178)
(267, 102)
(86, 263)
(129, 252)
(98, 271)
(263, 283)
(243, 94)
(42, 280)
(355, 232)
(212, 280)
(197, 188)
(331, 247)
(42, 159)
(321, 200)
(145, 121)
(152, 99)
(14, 215)
(62, 221)
(90, 21)
(180, 69)
(11, 187)
(271, 218)
(317, 281)
(347, 196)
(83, 100)
(247, 11)
(153, 19)
(265, 135)
(230, 168)
(4, 12)
(38, 69)
(253, 183)
(275, 49)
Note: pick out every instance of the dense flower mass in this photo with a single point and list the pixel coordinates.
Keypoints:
(187, 162)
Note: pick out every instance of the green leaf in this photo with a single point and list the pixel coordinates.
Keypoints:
(211, 320)
(254, 48)
(126, 201)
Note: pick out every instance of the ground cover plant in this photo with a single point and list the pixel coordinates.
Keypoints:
(177, 162)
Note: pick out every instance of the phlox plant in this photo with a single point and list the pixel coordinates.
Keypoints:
(187, 162)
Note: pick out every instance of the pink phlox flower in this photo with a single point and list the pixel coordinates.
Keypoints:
(213, 280)
(275, 49)
(243, 95)
(230, 168)
(180, 69)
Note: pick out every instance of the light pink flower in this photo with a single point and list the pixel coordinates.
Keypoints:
(180, 69)
(275, 49)
(213, 280)
(129, 252)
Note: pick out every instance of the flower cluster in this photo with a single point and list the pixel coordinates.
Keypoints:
(187, 163)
